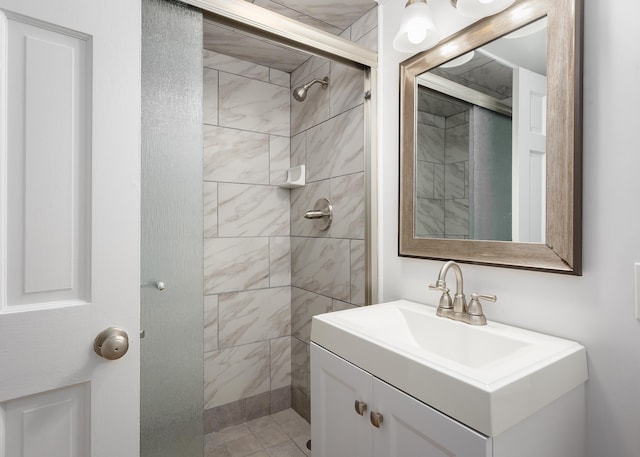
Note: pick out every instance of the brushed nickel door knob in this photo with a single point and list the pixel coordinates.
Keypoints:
(111, 343)
(376, 419)
(361, 407)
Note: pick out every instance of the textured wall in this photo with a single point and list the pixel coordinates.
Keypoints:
(247, 266)
(327, 267)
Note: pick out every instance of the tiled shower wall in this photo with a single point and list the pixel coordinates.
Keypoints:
(247, 260)
(442, 176)
(327, 136)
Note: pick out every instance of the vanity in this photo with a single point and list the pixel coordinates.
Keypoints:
(396, 380)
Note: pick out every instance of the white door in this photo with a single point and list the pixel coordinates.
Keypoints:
(69, 226)
(410, 428)
(529, 156)
(338, 388)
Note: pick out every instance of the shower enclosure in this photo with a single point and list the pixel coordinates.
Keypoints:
(227, 340)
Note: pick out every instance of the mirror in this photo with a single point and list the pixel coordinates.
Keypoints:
(491, 142)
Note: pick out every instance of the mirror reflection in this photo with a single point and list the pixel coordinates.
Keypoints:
(480, 155)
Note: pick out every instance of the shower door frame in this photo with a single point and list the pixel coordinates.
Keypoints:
(289, 32)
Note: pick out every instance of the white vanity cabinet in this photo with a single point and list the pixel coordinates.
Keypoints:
(408, 428)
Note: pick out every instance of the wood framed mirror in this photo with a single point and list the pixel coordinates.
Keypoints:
(546, 237)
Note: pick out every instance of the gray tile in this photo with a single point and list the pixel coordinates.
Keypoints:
(280, 399)
(341, 17)
(236, 373)
(429, 218)
(358, 273)
(233, 432)
(293, 13)
(369, 40)
(252, 316)
(235, 66)
(299, 370)
(281, 78)
(305, 305)
(315, 108)
(210, 97)
(364, 24)
(279, 159)
(424, 179)
(302, 200)
(271, 436)
(210, 323)
(244, 446)
(457, 144)
(280, 261)
(430, 143)
(280, 363)
(235, 156)
(286, 449)
(454, 178)
(348, 201)
(346, 87)
(253, 105)
(301, 402)
(210, 209)
(252, 210)
(234, 264)
(338, 305)
(456, 217)
(336, 147)
(321, 265)
(298, 150)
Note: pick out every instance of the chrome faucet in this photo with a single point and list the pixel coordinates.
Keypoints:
(457, 308)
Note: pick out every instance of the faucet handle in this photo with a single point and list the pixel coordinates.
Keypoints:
(445, 307)
(475, 315)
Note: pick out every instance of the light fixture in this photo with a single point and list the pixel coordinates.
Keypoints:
(480, 8)
(417, 31)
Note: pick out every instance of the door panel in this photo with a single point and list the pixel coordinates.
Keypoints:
(69, 225)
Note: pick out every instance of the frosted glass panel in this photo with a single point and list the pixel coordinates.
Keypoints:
(172, 349)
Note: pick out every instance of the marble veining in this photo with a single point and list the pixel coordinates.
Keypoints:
(235, 156)
(279, 159)
(210, 209)
(229, 64)
(322, 265)
(210, 96)
(252, 316)
(280, 261)
(336, 147)
(429, 217)
(454, 174)
(456, 217)
(424, 179)
(294, 13)
(235, 373)
(305, 305)
(250, 210)
(358, 272)
(253, 105)
(210, 323)
(364, 25)
(347, 196)
(431, 145)
(338, 13)
(346, 89)
(315, 108)
(232, 264)
(302, 200)
(280, 362)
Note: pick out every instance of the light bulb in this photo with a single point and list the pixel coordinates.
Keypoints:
(416, 35)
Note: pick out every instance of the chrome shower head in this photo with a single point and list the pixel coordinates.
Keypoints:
(300, 93)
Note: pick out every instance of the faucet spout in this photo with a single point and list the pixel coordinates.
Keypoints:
(459, 300)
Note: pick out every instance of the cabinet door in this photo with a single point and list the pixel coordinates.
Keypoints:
(338, 430)
(412, 429)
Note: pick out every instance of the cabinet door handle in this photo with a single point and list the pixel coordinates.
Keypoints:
(376, 419)
(361, 407)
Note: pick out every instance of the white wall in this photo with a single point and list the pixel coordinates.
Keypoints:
(596, 309)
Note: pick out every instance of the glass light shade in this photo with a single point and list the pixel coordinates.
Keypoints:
(417, 31)
(482, 8)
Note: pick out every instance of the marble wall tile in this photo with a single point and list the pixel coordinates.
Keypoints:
(336, 147)
(303, 73)
(431, 119)
(341, 16)
(424, 179)
(249, 210)
(346, 88)
(293, 13)
(234, 66)
(252, 316)
(347, 198)
(210, 209)
(457, 144)
(358, 272)
(454, 174)
(431, 143)
(210, 323)
(429, 217)
(299, 149)
(210, 97)
(457, 119)
(438, 180)
(280, 362)
(305, 305)
(281, 78)
(322, 265)
(456, 217)
(364, 24)
(341, 305)
(236, 373)
(369, 40)
(299, 365)
(233, 264)
(279, 159)
(279, 261)
(253, 105)
(235, 156)
(315, 108)
(304, 199)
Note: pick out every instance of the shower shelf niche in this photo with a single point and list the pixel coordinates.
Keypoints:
(295, 178)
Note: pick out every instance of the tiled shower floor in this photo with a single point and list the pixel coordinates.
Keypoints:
(283, 434)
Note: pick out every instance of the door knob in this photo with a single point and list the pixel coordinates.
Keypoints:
(111, 343)
(361, 407)
(376, 419)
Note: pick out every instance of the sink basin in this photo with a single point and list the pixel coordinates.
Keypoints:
(487, 377)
